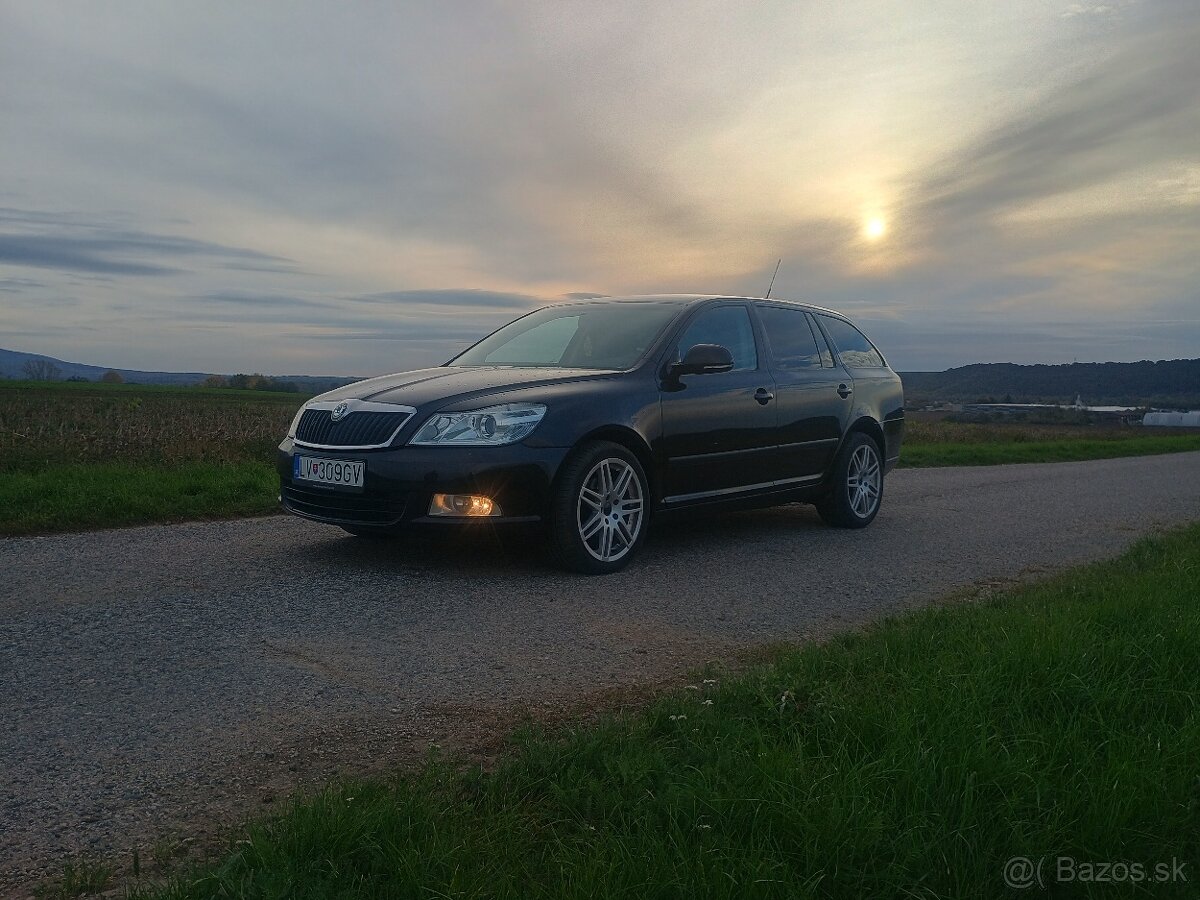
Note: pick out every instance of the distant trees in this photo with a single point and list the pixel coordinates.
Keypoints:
(1174, 383)
(255, 382)
(41, 370)
(112, 376)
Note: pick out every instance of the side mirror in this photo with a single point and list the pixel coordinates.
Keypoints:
(704, 359)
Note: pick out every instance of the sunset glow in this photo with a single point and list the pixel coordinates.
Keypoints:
(874, 228)
(357, 189)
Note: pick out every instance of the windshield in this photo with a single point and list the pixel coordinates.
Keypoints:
(579, 336)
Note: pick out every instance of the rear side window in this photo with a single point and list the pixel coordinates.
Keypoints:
(728, 326)
(793, 345)
(822, 342)
(852, 344)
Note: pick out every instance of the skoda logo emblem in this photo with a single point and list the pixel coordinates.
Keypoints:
(340, 410)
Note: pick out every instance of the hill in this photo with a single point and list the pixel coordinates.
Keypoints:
(13, 362)
(1169, 383)
(1166, 383)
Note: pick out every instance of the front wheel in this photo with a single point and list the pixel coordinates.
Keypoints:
(856, 485)
(598, 519)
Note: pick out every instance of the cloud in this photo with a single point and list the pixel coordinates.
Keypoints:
(452, 299)
(245, 299)
(278, 267)
(1138, 106)
(18, 285)
(70, 254)
(430, 324)
(418, 335)
(69, 243)
(1090, 9)
(51, 331)
(411, 173)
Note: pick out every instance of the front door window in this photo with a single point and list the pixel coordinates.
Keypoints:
(728, 326)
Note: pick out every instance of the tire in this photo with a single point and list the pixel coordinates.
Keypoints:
(367, 531)
(600, 509)
(847, 505)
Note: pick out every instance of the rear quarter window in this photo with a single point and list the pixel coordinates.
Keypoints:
(852, 345)
(790, 337)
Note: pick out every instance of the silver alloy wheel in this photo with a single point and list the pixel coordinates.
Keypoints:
(609, 509)
(863, 481)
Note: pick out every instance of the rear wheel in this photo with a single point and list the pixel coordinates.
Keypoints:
(598, 519)
(856, 485)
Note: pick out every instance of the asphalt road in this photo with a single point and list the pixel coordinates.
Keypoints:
(153, 680)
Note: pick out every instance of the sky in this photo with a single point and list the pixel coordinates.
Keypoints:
(351, 189)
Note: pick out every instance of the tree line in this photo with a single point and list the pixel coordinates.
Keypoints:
(255, 382)
(45, 370)
(1174, 382)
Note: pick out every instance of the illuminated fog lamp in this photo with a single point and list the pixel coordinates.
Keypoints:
(463, 506)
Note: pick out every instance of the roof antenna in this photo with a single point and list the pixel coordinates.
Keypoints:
(772, 284)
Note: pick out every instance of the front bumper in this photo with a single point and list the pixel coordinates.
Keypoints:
(399, 482)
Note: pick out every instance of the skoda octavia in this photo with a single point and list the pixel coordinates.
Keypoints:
(591, 418)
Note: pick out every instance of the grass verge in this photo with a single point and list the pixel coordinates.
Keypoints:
(912, 759)
(99, 495)
(76, 496)
(76, 456)
(78, 879)
(925, 455)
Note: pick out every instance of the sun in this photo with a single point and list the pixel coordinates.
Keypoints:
(874, 228)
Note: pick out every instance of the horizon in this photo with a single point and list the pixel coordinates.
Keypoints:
(305, 189)
(359, 376)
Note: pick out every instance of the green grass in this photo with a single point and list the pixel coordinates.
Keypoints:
(85, 455)
(44, 425)
(924, 455)
(100, 495)
(76, 456)
(78, 879)
(909, 760)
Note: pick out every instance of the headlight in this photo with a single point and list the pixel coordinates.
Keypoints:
(487, 427)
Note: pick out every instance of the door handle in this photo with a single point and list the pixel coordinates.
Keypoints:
(763, 396)
(844, 390)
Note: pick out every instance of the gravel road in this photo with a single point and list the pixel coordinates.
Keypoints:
(156, 680)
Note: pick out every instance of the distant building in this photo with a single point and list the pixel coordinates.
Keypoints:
(1172, 419)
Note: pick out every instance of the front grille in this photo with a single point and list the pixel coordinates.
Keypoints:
(359, 428)
(340, 506)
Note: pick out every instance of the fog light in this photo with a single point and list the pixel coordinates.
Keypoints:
(463, 505)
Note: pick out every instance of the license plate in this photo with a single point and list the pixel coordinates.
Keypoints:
(344, 473)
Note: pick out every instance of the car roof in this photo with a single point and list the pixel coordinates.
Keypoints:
(687, 299)
(681, 299)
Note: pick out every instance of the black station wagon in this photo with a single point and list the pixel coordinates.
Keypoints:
(590, 418)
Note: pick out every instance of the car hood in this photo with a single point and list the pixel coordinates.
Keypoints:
(451, 384)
